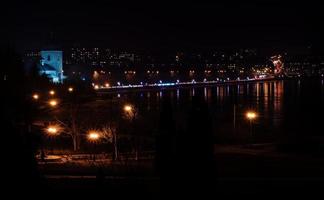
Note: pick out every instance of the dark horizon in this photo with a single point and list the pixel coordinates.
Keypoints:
(268, 25)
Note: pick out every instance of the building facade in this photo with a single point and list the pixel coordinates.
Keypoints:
(51, 65)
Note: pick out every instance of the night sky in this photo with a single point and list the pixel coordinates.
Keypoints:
(140, 26)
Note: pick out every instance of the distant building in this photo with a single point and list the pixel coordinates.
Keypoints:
(278, 64)
(51, 65)
(127, 56)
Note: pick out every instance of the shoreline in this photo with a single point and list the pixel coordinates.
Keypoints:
(182, 85)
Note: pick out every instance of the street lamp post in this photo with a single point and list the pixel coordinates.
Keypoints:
(93, 137)
(251, 116)
(131, 112)
(52, 130)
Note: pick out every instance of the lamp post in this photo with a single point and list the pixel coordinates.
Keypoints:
(131, 113)
(93, 137)
(251, 116)
(51, 130)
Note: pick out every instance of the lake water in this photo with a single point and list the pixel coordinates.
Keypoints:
(286, 109)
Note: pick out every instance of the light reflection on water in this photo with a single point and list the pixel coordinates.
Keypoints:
(267, 98)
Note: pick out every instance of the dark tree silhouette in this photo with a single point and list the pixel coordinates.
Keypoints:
(19, 142)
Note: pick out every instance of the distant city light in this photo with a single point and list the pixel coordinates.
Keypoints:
(70, 89)
(95, 75)
(52, 92)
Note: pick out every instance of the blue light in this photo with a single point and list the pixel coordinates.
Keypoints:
(165, 84)
(51, 65)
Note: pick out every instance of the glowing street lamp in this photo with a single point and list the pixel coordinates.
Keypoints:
(131, 114)
(251, 116)
(53, 103)
(52, 92)
(35, 96)
(70, 89)
(53, 130)
(93, 136)
(128, 108)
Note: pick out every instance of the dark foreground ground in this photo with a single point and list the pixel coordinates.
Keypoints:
(239, 172)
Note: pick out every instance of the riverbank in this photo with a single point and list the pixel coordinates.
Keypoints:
(240, 170)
